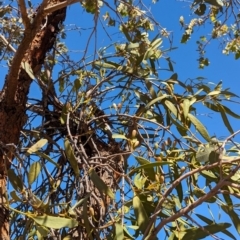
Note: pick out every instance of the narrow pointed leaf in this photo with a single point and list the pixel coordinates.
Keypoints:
(15, 180)
(186, 105)
(198, 233)
(71, 157)
(34, 170)
(199, 126)
(225, 119)
(140, 213)
(171, 107)
(101, 186)
(228, 209)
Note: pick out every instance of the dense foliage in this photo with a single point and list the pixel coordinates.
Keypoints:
(110, 150)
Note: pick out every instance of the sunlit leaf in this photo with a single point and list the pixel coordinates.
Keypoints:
(54, 222)
(140, 213)
(37, 146)
(200, 127)
(186, 105)
(118, 231)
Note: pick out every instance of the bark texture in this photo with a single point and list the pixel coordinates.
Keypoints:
(13, 113)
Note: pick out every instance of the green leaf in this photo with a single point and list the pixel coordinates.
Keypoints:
(34, 171)
(118, 231)
(100, 185)
(209, 175)
(171, 107)
(54, 222)
(140, 213)
(225, 119)
(148, 171)
(121, 136)
(149, 165)
(15, 180)
(42, 230)
(228, 209)
(37, 146)
(15, 197)
(71, 157)
(186, 105)
(198, 233)
(179, 186)
(230, 112)
(199, 126)
(108, 65)
(86, 220)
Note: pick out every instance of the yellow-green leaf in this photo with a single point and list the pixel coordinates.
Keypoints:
(121, 136)
(38, 145)
(199, 126)
(101, 186)
(186, 105)
(118, 231)
(54, 222)
(71, 157)
(140, 213)
(171, 107)
(33, 172)
(198, 233)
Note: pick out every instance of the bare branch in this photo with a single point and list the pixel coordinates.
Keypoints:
(6, 43)
(22, 6)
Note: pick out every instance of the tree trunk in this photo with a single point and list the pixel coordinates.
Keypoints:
(13, 98)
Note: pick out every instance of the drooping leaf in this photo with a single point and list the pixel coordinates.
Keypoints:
(225, 119)
(209, 222)
(171, 107)
(34, 171)
(140, 213)
(186, 105)
(37, 146)
(71, 157)
(228, 209)
(101, 186)
(200, 127)
(15, 180)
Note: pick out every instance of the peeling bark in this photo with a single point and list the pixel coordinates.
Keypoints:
(13, 99)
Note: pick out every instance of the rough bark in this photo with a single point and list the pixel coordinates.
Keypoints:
(13, 112)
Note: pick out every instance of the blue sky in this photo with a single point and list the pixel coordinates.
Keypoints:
(167, 13)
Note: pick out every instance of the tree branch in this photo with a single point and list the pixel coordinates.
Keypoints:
(22, 6)
(29, 34)
(185, 210)
(58, 6)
